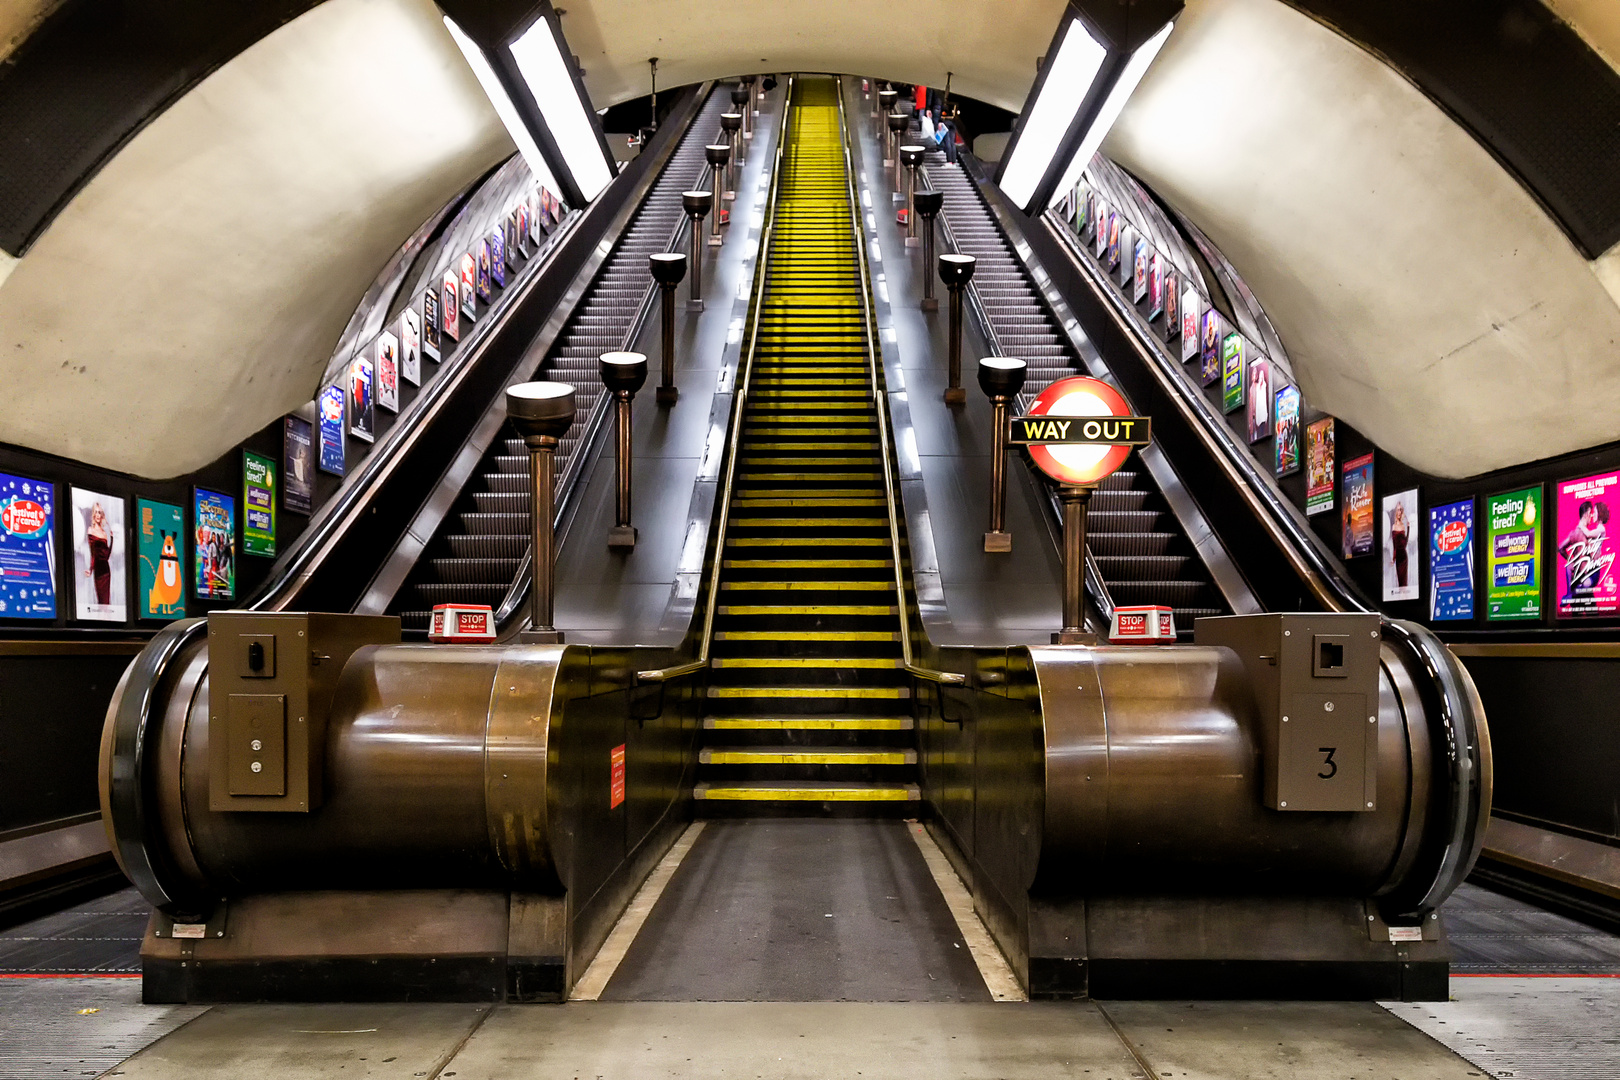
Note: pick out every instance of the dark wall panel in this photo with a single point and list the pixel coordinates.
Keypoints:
(51, 713)
(1555, 737)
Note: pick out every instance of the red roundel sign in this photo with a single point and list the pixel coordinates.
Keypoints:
(1079, 463)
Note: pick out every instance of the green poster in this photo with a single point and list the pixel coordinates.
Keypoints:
(159, 534)
(1232, 373)
(1513, 560)
(258, 504)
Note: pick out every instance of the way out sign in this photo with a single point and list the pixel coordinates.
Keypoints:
(1079, 430)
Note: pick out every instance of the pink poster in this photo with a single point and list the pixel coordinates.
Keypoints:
(1585, 579)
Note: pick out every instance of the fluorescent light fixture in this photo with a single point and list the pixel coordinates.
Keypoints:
(540, 61)
(1137, 67)
(503, 105)
(1067, 80)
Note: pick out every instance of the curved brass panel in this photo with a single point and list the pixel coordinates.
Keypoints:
(515, 760)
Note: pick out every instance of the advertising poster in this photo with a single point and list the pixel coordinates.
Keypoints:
(1259, 378)
(388, 371)
(548, 205)
(1172, 304)
(1155, 292)
(497, 256)
(536, 226)
(100, 563)
(214, 517)
(520, 230)
(484, 279)
(329, 412)
(161, 578)
(362, 399)
(1210, 333)
(1400, 546)
(1127, 261)
(1319, 463)
(1114, 226)
(1356, 515)
(429, 311)
(258, 504)
(1285, 415)
(298, 465)
(1513, 559)
(410, 347)
(27, 548)
(1586, 580)
(1099, 239)
(1232, 372)
(1192, 310)
(469, 287)
(1140, 286)
(450, 304)
(1451, 561)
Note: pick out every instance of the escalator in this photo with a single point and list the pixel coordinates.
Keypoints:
(1139, 547)
(477, 553)
(807, 698)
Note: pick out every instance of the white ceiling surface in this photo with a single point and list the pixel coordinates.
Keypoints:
(990, 46)
(18, 18)
(192, 292)
(1422, 295)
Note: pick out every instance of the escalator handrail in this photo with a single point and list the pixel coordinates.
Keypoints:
(360, 488)
(1095, 583)
(1299, 544)
(869, 317)
(739, 405)
(515, 602)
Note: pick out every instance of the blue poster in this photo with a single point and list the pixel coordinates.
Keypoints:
(330, 410)
(1451, 561)
(27, 548)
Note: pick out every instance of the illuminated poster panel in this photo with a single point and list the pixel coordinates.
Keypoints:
(1356, 536)
(1586, 581)
(1319, 462)
(1451, 561)
(1401, 540)
(27, 548)
(213, 515)
(1286, 416)
(1513, 559)
(160, 538)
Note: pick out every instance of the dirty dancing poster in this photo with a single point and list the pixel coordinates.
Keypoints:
(1586, 583)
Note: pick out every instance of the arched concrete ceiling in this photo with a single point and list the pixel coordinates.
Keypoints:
(990, 46)
(1422, 294)
(193, 291)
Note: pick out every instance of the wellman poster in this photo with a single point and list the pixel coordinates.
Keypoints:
(258, 504)
(1513, 557)
(1233, 370)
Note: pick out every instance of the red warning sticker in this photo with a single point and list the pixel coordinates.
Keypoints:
(616, 789)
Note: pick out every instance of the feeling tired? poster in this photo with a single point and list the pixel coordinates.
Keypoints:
(1586, 581)
(1513, 559)
(27, 548)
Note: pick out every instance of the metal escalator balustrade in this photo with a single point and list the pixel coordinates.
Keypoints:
(1138, 546)
(808, 692)
(477, 555)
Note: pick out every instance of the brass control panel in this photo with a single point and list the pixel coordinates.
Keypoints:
(271, 677)
(1315, 684)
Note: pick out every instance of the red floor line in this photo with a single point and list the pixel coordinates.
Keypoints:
(1534, 975)
(72, 975)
